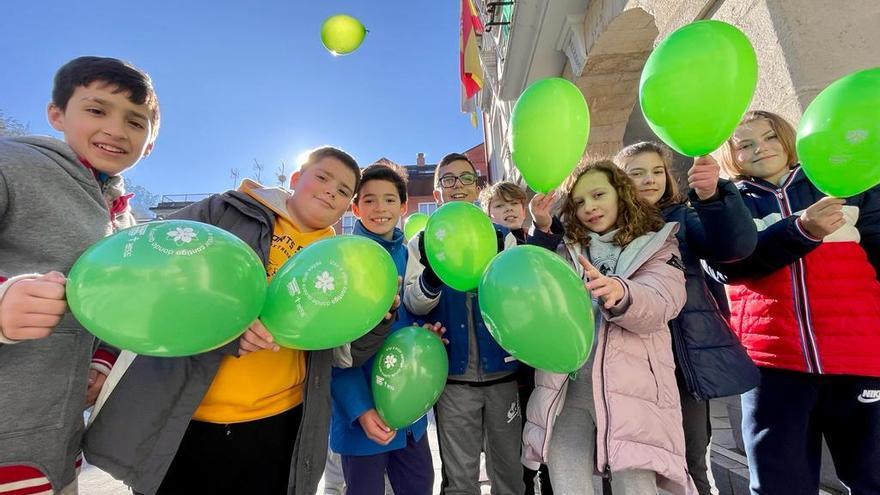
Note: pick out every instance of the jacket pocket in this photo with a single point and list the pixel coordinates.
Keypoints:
(38, 380)
(662, 374)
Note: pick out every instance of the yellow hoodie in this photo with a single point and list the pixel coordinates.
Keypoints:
(264, 383)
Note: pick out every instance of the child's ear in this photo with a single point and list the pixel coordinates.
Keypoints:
(56, 117)
(148, 150)
(355, 210)
(294, 178)
(403, 209)
(437, 198)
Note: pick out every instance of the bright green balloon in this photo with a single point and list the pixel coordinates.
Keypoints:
(331, 293)
(549, 128)
(838, 139)
(414, 224)
(409, 374)
(537, 308)
(697, 84)
(460, 241)
(342, 34)
(172, 288)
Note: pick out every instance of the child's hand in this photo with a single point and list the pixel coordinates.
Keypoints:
(31, 308)
(438, 329)
(256, 338)
(540, 207)
(703, 177)
(96, 382)
(375, 428)
(609, 289)
(396, 303)
(824, 217)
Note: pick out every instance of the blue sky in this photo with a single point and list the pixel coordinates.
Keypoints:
(240, 81)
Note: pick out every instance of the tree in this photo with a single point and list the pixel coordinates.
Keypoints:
(12, 127)
(142, 201)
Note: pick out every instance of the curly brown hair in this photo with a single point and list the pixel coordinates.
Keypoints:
(635, 217)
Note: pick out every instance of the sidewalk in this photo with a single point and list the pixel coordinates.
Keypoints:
(728, 462)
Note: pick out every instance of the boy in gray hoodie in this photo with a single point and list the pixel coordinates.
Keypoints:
(56, 199)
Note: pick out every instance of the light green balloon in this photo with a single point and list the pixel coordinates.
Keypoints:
(414, 224)
(549, 128)
(330, 293)
(409, 374)
(697, 84)
(460, 241)
(171, 288)
(537, 309)
(342, 34)
(838, 139)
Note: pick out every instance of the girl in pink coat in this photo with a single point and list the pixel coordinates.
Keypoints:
(619, 415)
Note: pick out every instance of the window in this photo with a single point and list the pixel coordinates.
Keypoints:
(427, 208)
(348, 223)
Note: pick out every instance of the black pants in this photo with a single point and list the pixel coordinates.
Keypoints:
(697, 433)
(238, 458)
(785, 418)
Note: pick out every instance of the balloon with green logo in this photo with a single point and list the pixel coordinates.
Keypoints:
(170, 288)
(330, 293)
(409, 374)
(697, 84)
(342, 34)
(414, 224)
(838, 139)
(538, 309)
(549, 128)
(460, 241)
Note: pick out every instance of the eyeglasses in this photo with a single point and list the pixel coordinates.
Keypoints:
(466, 179)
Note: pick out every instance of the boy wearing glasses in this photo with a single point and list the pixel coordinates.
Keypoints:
(480, 399)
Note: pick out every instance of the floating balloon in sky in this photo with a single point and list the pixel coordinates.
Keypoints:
(342, 34)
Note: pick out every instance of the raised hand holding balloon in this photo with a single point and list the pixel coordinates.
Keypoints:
(171, 288)
(330, 293)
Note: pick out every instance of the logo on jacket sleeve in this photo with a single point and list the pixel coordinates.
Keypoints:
(676, 262)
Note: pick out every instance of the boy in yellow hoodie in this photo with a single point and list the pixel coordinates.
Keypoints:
(251, 417)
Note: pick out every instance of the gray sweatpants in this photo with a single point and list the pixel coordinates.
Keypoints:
(571, 456)
(465, 416)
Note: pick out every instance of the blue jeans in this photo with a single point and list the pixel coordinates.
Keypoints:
(785, 417)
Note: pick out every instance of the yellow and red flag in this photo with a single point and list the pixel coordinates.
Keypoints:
(471, 72)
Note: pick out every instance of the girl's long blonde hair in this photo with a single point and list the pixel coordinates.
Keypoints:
(635, 217)
(784, 132)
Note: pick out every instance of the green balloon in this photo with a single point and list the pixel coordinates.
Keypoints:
(342, 34)
(838, 139)
(697, 84)
(460, 241)
(331, 293)
(537, 308)
(414, 224)
(409, 374)
(549, 128)
(171, 288)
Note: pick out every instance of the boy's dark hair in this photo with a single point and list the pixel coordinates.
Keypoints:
(388, 172)
(446, 160)
(319, 154)
(83, 71)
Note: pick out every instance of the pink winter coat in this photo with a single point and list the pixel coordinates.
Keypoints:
(638, 413)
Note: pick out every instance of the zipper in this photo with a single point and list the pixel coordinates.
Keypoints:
(469, 304)
(606, 469)
(687, 371)
(798, 282)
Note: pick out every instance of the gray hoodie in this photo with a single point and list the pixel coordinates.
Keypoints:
(51, 210)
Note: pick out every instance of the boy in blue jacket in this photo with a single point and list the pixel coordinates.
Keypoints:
(369, 448)
(480, 404)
